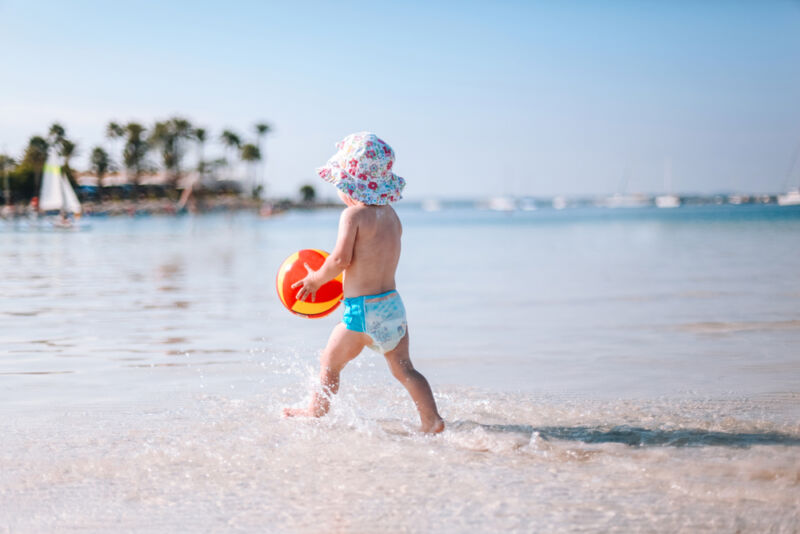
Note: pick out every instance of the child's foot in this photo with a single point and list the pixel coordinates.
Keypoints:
(298, 412)
(432, 427)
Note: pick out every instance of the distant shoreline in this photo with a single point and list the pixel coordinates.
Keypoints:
(166, 206)
(269, 207)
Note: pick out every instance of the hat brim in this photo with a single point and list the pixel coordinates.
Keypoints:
(373, 192)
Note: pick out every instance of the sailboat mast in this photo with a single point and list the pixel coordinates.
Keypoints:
(62, 210)
(668, 176)
(792, 164)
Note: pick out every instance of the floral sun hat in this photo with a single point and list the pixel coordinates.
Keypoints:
(362, 168)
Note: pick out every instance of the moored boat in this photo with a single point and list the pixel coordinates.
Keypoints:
(57, 195)
(792, 198)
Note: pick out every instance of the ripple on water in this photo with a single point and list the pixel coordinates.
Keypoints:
(505, 461)
(124, 435)
(737, 327)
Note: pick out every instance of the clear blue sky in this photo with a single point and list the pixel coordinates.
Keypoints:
(477, 98)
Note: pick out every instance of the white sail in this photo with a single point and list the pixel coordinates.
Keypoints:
(56, 193)
(50, 197)
(71, 203)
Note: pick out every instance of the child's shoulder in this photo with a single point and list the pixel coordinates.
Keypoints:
(353, 216)
(352, 212)
(360, 211)
(366, 214)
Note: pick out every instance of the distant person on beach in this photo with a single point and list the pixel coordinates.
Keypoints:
(367, 250)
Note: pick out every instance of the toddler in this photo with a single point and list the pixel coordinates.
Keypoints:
(367, 250)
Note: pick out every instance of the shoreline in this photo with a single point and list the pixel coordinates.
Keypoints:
(166, 206)
(269, 207)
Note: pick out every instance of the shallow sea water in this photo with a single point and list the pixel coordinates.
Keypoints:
(609, 371)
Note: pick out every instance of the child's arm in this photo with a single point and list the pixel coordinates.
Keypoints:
(334, 264)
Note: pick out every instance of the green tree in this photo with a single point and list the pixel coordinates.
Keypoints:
(183, 131)
(6, 164)
(232, 142)
(262, 129)
(170, 136)
(35, 157)
(135, 150)
(114, 132)
(161, 136)
(251, 155)
(67, 149)
(308, 193)
(56, 135)
(64, 147)
(100, 163)
(200, 137)
(230, 139)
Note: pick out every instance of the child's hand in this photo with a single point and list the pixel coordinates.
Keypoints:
(308, 285)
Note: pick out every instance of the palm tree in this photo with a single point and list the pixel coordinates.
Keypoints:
(262, 129)
(6, 163)
(67, 149)
(36, 157)
(231, 139)
(169, 135)
(100, 164)
(135, 150)
(114, 132)
(57, 138)
(200, 137)
(183, 131)
(232, 142)
(56, 135)
(251, 154)
(162, 136)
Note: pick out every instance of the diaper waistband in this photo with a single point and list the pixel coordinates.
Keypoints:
(351, 300)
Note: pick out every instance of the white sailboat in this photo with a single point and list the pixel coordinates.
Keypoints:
(668, 200)
(792, 198)
(622, 199)
(57, 194)
(503, 203)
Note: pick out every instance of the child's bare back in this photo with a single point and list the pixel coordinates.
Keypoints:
(367, 251)
(376, 250)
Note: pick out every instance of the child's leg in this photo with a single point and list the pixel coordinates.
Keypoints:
(403, 370)
(343, 346)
